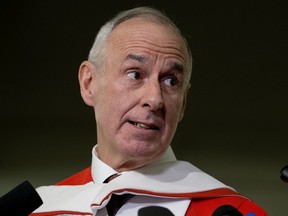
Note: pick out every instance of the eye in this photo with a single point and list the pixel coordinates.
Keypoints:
(171, 81)
(134, 75)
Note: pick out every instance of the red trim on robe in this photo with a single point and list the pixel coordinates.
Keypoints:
(79, 178)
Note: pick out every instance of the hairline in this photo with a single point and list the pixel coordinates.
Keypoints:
(97, 52)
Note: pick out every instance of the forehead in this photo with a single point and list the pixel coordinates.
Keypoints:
(141, 35)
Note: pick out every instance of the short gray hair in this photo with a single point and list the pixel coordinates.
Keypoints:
(96, 54)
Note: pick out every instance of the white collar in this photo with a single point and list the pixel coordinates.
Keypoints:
(101, 171)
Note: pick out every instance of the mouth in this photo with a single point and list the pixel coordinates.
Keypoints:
(144, 126)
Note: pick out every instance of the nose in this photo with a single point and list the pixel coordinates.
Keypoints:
(152, 97)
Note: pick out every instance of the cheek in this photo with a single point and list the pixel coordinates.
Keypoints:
(174, 108)
(112, 104)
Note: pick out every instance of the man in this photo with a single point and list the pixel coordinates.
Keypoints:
(137, 79)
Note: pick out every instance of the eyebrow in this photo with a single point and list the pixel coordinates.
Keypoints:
(138, 58)
(177, 66)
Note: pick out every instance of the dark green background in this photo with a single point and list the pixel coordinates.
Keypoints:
(236, 118)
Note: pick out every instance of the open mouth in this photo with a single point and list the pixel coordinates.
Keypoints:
(143, 126)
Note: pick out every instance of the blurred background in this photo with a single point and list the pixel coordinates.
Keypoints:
(236, 119)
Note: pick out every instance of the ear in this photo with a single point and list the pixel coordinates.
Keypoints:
(87, 79)
(184, 102)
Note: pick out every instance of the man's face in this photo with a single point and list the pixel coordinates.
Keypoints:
(140, 96)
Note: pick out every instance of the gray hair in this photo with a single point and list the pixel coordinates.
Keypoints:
(96, 54)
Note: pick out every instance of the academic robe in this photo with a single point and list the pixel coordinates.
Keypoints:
(175, 185)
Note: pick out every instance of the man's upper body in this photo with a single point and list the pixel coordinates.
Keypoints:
(137, 79)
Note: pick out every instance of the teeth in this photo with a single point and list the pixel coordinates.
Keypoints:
(143, 126)
(139, 125)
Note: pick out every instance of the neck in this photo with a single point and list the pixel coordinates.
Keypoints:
(121, 163)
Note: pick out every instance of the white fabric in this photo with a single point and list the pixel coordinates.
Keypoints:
(159, 183)
(100, 170)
